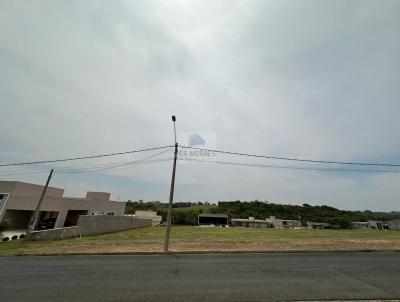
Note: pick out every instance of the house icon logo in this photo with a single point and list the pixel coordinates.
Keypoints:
(199, 147)
(195, 139)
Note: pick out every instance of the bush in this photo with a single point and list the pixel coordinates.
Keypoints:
(6, 238)
(5, 225)
(22, 236)
(14, 237)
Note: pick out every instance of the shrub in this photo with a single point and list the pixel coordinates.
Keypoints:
(6, 238)
(22, 236)
(5, 225)
(14, 237)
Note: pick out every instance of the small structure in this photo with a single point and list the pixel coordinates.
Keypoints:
(318, 225)
(370, 225)
(212, 219)
(156, 219)
(393, 224)
(359, 225)
(377, 225)
(250, 223)
(284, 223)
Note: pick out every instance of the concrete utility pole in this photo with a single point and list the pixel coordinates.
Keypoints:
(171, 193)
(35, 215)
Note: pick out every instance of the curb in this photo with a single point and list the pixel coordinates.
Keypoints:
(206, 253)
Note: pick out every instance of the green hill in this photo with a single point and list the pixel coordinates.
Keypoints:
(186, 212)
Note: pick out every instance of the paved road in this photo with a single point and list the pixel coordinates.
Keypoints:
(233, 277)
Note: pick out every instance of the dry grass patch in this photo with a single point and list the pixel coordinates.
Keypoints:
(198, 239)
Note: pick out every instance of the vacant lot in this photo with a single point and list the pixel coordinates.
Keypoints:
(192, 239)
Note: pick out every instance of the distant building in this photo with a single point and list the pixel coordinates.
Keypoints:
(318, 225)
(156, 219)
(250, 223)
(18, 200)
(370, 225)
(283, 223)
(393, 224)
(360, 225)
(212, 219)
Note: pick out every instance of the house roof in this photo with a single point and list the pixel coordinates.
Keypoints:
(249, 220)
(213, 215)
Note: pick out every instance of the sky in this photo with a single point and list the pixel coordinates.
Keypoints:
(305, 79)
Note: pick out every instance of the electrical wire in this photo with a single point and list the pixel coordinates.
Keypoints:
(294, 159)
(109, 168)
(82, 157)
(204, 149)
(25, 173)
(290, 167)
(89, 168)
(115, 165)
(84, 170)
(95, 166)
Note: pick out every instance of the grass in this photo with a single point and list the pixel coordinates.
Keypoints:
(188, 238)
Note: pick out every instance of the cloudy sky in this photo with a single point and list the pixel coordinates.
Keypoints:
(307, 79)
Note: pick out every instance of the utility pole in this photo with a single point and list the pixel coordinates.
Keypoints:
(171, 193)
(35, 214)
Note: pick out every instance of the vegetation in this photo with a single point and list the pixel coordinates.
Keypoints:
(189, 238)
(185, 213)
(4, 225)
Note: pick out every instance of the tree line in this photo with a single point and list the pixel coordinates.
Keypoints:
(186, 213)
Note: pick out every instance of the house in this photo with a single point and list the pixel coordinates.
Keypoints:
(250, 222)
(318, 225)
(393, 224)
(18, 200)
(360, 225)
(283, 223)
(212, 219)
(370, 225)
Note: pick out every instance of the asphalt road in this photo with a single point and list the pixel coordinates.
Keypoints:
(223, 277)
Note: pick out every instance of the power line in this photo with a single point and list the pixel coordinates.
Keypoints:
(83, 157)
(93, 168)
(109, 168)
(202, 149)
(25, 173)
(289, 167)
(90, 170)
(112, 164)
(117, 165)
(295, 159)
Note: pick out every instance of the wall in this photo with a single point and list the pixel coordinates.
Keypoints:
(94, 225)
(55, 234)
(394, 224)
(25, 196)
(149, 214)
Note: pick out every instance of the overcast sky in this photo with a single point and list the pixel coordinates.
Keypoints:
(307, 79)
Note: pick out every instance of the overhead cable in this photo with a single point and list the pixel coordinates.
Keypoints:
(289, 167)
(82, 157)
(294, 159)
